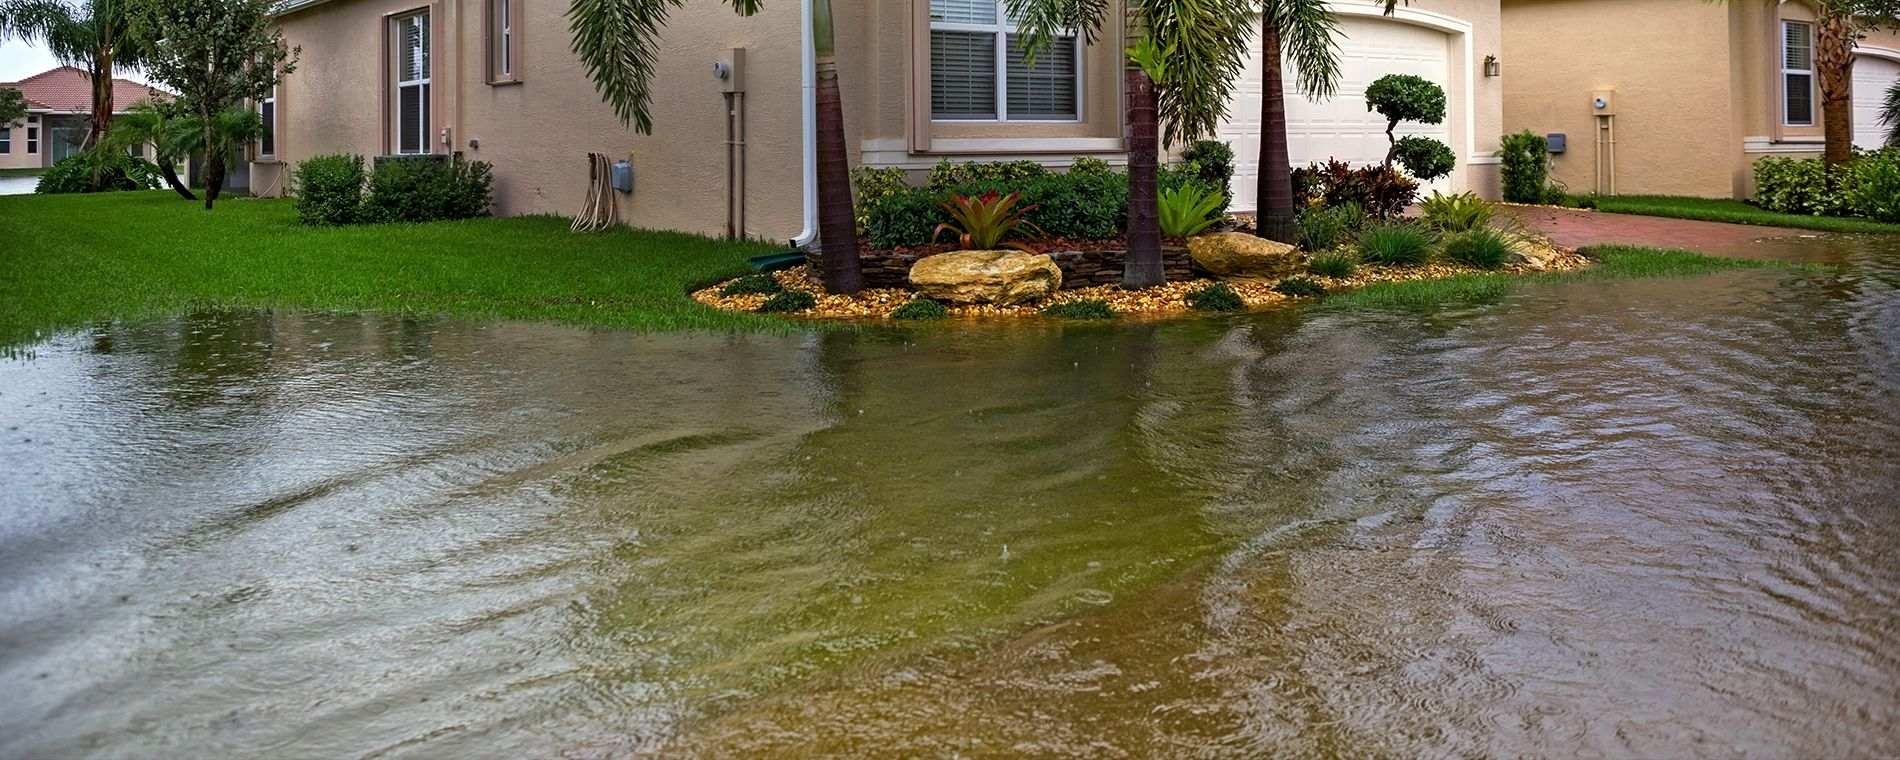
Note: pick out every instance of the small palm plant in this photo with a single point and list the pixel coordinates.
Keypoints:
(1456, 213)
(982, 222)
(1188, 210)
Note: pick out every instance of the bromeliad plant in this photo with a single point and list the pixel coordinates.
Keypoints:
(1189, 209)
(1456, 213)
(981, 223)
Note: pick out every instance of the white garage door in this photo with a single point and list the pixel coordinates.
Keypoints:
(1872, 77)
(1340, 128)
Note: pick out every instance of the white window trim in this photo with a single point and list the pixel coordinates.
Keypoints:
(504, 39)
(1002, 29)
(33, 136)
(427, 141)
(1785, 72)
(270, 127)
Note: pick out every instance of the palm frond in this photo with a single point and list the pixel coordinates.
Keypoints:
(1040, 21)
(1309, 39)
(618, 43)
(1207, 44)
(1890, 115)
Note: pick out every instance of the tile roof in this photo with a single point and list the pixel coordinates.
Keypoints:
(69, 90)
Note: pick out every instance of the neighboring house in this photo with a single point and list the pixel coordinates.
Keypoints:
(59, 109)
(1695, 92)
(922, 80)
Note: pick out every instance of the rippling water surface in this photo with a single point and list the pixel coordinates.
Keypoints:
(1653, 518)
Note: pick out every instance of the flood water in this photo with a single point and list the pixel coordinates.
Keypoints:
(1640, 519)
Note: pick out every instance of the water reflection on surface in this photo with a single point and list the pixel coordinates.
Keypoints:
(1642, 518)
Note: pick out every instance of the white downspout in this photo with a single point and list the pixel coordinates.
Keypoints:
(809, 124)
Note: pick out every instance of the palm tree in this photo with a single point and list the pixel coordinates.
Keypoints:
(616, 41)
(1890, 115)
(1840, 27)
(95, 36)
(1182, 59)
(1305, 32)
(173, 134)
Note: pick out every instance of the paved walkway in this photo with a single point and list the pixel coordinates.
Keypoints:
(1572, 228)
(17, 185)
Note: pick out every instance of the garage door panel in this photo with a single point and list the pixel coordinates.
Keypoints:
(1340, 127)
(1872, 77)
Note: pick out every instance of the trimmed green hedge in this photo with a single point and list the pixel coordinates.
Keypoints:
(1089, 202)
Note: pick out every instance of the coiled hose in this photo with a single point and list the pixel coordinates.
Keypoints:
(602, 211)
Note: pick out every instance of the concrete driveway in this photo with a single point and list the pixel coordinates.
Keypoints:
(17, 185)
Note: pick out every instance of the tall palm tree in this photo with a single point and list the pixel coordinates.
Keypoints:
(1842, 24)
(1305, 32)
(94, 35)
(616, 41)
(1182, 59)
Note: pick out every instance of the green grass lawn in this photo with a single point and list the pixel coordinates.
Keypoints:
(1614, 262)
(70, 259)
(1734, 211)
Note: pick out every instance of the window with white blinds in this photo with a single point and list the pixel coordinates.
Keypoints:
(978, 71)
(412, 84)
(1797, 73)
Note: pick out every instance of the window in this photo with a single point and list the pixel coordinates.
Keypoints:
(411, 108)
(6, 140)
(978, 71)
(1797, 73)
(267, 140)
(501, 40)
(32, 135)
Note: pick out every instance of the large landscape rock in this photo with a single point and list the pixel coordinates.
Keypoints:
(1533, 253)
(998, 277)
(1238, 254)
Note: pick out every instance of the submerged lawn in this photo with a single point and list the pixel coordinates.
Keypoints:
(1734, 212)
(1613, 262)
(67, 260)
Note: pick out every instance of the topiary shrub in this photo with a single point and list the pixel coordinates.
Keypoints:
(1380, 191)
(1480, 247)
(1088, 308)
(1332, 265)
(787, 302)
(329, 189)
(117, 172)
(1300, 287)
(1216, 297)
(1397, 243)
(920, 308)
(1874, 184)
(427, 189)
(1213, 162)
(1424, 157)
(1526, 167)
(752, 284)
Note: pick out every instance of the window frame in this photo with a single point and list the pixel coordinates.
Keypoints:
(502, 41)
(32, 135)
(1786, 72)
(6, 139)
(397, 84)
(267, 139)
(1002, 29)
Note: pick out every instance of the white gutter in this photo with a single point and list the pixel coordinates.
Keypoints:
(809, 92)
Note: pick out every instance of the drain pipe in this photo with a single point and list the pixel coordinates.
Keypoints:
(808, 94)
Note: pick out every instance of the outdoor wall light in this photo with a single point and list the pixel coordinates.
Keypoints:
(1491, 66)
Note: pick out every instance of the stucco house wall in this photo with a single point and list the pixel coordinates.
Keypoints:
(1696, 90)
(537, 131)
(17, 157)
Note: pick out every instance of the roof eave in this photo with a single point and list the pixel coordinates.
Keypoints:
(287, 7)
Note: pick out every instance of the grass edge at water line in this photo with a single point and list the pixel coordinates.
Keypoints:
(1734, 212)
(1612, 262)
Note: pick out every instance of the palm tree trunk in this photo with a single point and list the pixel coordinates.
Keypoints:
(1273, 193)
(1834, 54)
(170, 172)
(1143, 267)
(837, 224)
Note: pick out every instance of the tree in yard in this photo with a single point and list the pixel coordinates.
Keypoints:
(173, 134)
(1179, 68)
(95, 36)
(219, 56)
(1840, 25)
(616, 41)
(1404, 97)
(12, 106)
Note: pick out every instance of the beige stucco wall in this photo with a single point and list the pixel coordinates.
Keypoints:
(18, 158)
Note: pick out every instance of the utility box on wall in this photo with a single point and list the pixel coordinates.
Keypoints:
(1603, 102)
(1557, 141)
(623, 176)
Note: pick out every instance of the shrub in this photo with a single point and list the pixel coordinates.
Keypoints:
(1380, 191)
(1426, 158)
(1213, 162)
(902, 220)
(1801, 186)
(1332, 265)
(329, 189)
(1300, 287)
(1874, 186)
(1481, 247)
(920, 309)
(1216, 297)
(1323, 228)
(117, 172)
(1090, 165)
(869, 184)
(1189, 210)
(752, 284)
(1396, 243)
(1526, 167)
(1084, 206)
(1088, 308)
(1404, 97)
(947, 175)
(1456, 213)
(427, 189)
(982, 223)
(787, 302)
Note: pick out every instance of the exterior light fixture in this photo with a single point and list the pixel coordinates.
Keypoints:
(1491, 66)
